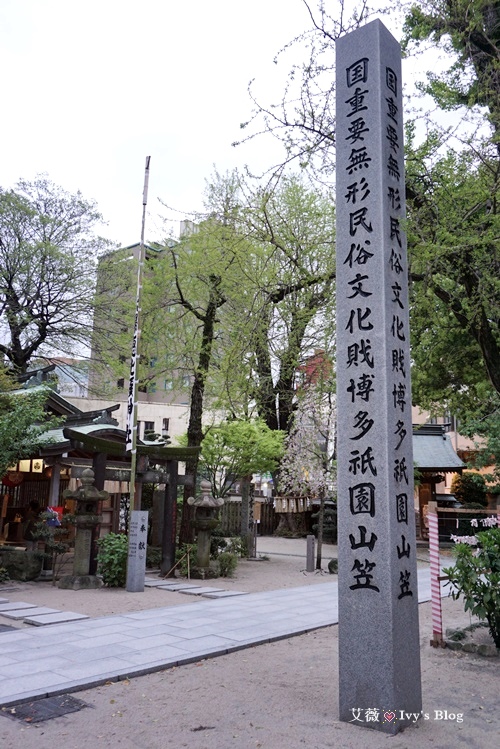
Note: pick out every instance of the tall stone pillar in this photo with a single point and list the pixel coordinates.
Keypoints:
(379, 656)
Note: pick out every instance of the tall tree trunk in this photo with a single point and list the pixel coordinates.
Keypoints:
(195, 426)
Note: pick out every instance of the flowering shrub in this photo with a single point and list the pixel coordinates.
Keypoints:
(476, 577)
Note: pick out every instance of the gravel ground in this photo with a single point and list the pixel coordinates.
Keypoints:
(276, 696)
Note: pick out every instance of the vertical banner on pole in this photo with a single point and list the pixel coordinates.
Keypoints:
(379, 655)
(131, 429)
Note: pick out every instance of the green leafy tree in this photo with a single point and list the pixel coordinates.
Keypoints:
(294, 304)
(284, 308)
(452, 187)
(191, 281)
(454, 266)
(48, 255)
(236, 449)
(235, 304)
(23, 425)
(452, 193)
(468, 32)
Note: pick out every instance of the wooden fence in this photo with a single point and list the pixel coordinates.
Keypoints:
(230, 517)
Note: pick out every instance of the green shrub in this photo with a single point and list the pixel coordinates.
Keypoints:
(181, 556)
(218, 542)
(476, 577)
(333, 566)
(4, 575)
(227, 563)
(112, 559)
(470, 487)
(237, 545)
(153, 557)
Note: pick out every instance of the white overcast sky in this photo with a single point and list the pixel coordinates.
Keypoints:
(89, 89)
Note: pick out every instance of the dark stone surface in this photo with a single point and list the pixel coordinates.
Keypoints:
(7, 628)
(80, 582)
(45, 709)
(21, 565)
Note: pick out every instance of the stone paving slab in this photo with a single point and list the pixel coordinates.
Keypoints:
(36, 611)
(177, 586)
(4, 600)
(90, 652)
(226, 594)
(16, 606)
(57, 618)
(200, 591)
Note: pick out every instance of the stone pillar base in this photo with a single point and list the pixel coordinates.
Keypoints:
(203, 573)
(80, 582)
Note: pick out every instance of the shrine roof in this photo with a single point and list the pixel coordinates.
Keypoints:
(432, 450)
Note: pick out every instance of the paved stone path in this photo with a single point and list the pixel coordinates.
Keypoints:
(43, 661)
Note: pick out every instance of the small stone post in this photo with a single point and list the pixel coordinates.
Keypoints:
(310, 554)
(137, 547)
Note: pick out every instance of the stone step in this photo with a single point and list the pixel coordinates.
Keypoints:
(58, 618)
(30, 613)
(15, 606)
(36, 611)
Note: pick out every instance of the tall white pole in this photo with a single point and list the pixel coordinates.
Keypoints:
(131, 432)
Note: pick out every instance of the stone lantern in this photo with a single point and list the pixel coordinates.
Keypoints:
(86, 519)
(205, 520)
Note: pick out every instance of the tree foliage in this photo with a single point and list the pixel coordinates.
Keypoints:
(468, 32)
(236, 449)
(470, 488)
(454, 230)
(454, 265)
(48, 254)
(23, 425)
(452, 188)
(285, 305)
(235, 305)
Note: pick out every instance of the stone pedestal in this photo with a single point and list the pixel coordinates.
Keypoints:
(137, 547)
(310, 553)
(205, 520)
(87, 499)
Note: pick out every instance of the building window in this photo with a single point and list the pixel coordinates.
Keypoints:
(165, 426)
(120, 384)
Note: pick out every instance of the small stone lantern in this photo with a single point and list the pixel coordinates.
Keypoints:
(86, 519)
(205, 520)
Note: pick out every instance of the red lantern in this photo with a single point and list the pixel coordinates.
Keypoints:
(12, 478)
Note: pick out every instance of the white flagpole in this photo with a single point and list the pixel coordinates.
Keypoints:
(131, 431)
